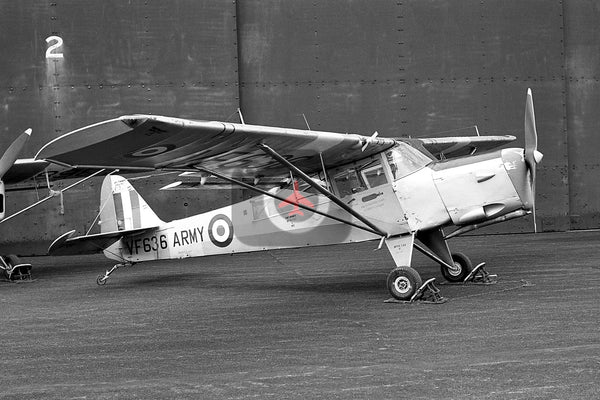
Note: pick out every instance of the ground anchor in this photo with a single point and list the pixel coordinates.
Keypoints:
(427, 293)
(480, 276)
(14, 269)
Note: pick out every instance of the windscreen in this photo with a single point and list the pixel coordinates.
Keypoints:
(405, 159)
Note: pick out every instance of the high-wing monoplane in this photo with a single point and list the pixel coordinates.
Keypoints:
(403, 192)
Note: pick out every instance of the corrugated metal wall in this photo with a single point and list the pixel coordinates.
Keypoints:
(582, 99)
(174, 58)
(403, 67)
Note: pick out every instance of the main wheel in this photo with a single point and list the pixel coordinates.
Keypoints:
(462, 268)
(403, 282)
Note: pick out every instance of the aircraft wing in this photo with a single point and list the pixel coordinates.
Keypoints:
(147, 142)
(461, 146)
(20, 175)
(23, 169)
(66, 245)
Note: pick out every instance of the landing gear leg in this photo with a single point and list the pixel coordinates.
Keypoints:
(455, 266)
(101, 279)
(462, 267)
(403, 283)
(406, 286)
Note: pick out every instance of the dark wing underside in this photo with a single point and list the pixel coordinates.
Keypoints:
(28, 174)
(24, 169)
(451, 147)
(147, 142)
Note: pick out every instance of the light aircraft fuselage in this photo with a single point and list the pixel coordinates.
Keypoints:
(400, 191)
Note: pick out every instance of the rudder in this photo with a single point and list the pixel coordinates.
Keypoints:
(122, 208)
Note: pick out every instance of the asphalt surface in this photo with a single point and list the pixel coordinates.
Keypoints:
(308, 324)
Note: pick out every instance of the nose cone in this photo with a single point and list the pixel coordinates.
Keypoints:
(520, 174)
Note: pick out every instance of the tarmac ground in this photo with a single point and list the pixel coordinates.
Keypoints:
(308, 324)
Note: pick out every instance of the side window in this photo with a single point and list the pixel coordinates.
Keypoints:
(348, 182)
(359, 176)
(374, 175)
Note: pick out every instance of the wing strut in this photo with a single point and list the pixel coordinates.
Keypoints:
(280, 198)
(431, 255)
(51, 195)
(321, 189)
(327, 184)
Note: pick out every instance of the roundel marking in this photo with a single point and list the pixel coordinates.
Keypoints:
(152, 151)
(220, 230)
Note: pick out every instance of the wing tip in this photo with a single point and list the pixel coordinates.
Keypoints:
(133, 121)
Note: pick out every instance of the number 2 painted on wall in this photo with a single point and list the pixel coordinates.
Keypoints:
(53, 50)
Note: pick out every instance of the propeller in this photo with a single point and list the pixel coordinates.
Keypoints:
(532, 155)
(7, 160)
(10, 155)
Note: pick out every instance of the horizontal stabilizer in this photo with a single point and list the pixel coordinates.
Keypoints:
(65, 245)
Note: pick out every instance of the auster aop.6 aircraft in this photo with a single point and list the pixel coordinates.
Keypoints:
(360, 188)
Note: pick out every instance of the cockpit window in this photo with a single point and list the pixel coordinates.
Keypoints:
(348, 183)
(405, 159)
(359, 176)
(374, 175)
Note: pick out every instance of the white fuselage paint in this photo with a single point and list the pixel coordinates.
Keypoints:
(431, 197)
(258, 224)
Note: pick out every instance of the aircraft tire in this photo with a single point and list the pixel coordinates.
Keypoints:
(403, 282)
(464, 267)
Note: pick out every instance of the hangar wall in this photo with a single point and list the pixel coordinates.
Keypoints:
(402, 67)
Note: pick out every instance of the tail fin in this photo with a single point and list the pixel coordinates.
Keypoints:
(122, 208)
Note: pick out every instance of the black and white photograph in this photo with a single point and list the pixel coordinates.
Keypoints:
(300, 199)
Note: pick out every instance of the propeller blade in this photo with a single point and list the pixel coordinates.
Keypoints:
(530, 131)
(10, 155)
(533, 199)
(532, 155)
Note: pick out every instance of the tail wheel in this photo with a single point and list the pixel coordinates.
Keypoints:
(462, 268)
(403, 282)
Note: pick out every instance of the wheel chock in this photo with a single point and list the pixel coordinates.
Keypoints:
(14, 269)
(480, 276)
(427, 293)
